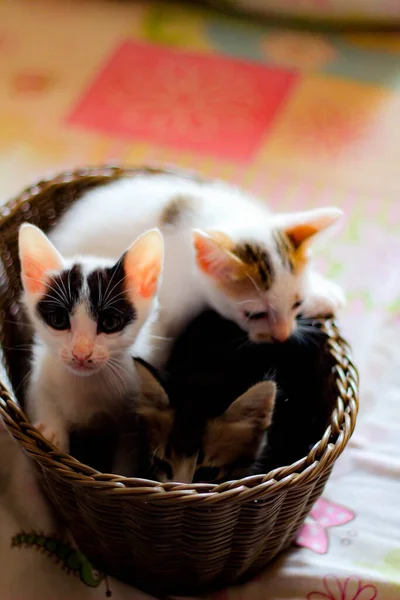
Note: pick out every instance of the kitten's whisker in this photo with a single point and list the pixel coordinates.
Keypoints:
(99, 298)
(54, 301)
(118, 366)
(21, 383)
(253, 282)
(116, 309)
(245, 301)
(113, 300)
(117, 378)
(19, 348)
(117, 284)
(115, 296)
(69, 285)
(107, 293)
(110, 304)
(245, 343)
(160, 337)
(63, 290)
(62, 300)
(17, 323)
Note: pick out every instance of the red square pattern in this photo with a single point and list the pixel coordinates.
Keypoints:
(208, 104)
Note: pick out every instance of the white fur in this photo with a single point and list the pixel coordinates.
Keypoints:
(59, 397)
(105, 219)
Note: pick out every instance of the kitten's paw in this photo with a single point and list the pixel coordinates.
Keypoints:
(325, 300)
(55, 437)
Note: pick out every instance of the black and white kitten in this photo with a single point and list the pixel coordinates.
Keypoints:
(86, 312)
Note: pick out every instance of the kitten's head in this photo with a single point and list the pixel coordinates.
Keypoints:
(188, 446)
(259, 279)
(88, 310)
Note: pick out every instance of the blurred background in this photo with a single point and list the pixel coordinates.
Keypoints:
(297, 101)
(301, 112)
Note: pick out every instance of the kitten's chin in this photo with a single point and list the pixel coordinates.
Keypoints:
(265, 337)
(259, 337)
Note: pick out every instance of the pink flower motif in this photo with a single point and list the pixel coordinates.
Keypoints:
(351, 588)
(314, 535)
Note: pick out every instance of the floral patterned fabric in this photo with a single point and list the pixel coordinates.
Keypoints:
(302, 119)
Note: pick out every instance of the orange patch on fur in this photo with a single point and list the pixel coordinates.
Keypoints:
(301, 258)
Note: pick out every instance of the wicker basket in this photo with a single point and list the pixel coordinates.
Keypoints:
(164, 538)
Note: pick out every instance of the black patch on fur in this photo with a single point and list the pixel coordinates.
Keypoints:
(63, 291)
(107, 294)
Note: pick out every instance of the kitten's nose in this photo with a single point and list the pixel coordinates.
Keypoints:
(82, 356)
(82, 348)
(281, 331)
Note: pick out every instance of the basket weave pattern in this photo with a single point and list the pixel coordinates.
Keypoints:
(165, 538)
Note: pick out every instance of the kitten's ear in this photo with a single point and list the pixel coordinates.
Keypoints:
(143, 263)
(213, 255)
(255, 407)
(38, 258)
(301, 227)
(152, 396)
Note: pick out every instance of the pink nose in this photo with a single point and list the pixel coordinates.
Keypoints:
(281, 332)
(81, 356)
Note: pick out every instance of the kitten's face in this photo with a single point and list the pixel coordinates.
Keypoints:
(186, 449)
(261, 284)
(88, 311)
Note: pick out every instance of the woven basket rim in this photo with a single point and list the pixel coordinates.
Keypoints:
(256, 487)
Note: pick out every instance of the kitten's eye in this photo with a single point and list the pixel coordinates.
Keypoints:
(110, 323)
(206, 474)
(297, 304)
(256, 316)
(163, 466)
(58, 320)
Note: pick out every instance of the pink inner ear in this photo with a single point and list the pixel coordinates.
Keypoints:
(213, 260)
(300, 233)
(33, 276)
(145, 280)
(203, 255)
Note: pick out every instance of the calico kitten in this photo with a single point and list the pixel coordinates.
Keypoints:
(186, 443)
(87, 313)
(224, 250)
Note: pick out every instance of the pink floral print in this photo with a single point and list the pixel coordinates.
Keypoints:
(351, 588)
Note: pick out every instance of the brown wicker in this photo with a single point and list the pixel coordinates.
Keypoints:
(165, 538)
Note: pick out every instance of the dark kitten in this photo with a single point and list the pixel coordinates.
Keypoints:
(190, 441)
(213, 363)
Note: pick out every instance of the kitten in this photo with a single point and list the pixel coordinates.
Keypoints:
(87, 313)
(212, 363)
(224, 250)
(186, 443)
